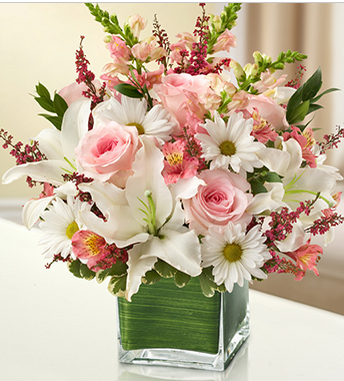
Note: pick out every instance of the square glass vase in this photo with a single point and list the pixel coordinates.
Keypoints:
(167, 325)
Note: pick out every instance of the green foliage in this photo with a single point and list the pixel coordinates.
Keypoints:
(151, 277)
(264, 63)
(80, 270)
(111, 24)
(164, 269)
(181, 279)
(56, 106)
(228, 21)
(118, 269)
(128, 90)
(117, 285)
(259, 177)
(303, 100)
(208, 286)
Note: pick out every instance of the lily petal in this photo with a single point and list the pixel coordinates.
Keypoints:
(33, 209)
(74, 125)
(49, 171)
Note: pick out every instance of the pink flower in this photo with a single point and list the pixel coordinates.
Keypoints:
(73, 92)
(306, 142)
(89, 246)
(175, 90)
(136, 23)
(224, 198)
(262, 130)
(148, 51)
(107, 152)
(118, 49)
(178, 165)
(225, 41)
(269, 110)
(306, 257)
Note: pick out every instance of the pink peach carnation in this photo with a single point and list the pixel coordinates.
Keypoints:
(223, 199)
(107, 152)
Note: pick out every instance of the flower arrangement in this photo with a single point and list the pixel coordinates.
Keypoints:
(196, 167)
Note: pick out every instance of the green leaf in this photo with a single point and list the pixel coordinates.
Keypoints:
(299, 113)
(55, 120)
(313, 100)
(42, 91)
(164, 269)
(74, 268)
(86, 273)
(128, 90)
(46, 103)
(272, 177)
(117, 285)
(311, 87)
(60, 105)
(151, 277)
(257, 186)
(181, 279)
(208, 287)
(117, 270)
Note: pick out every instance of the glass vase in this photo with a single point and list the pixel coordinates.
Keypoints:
(167, 325)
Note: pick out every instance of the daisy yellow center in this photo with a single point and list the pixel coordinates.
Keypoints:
(175, 158)
(227, 148)
(232, 252)
(72, 228)
(139, 127)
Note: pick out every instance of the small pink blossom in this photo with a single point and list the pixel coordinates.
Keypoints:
(306, 142)
(136, 23)
(118, 49)
(225, 41)
(224, 198)
(268, 81)
(306, 257)
(262, 131)
(148, 51)
(178, 165)
(107, 152)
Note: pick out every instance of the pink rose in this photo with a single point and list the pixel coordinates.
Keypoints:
(224, 198)
(75, 91)
(107, 152)
(269, 110)
(175, 89)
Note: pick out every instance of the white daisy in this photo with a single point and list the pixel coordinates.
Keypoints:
(157, 122)
(235, 255)
(60, 222)
(230, 144)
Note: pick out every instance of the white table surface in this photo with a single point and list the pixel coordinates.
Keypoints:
(55, 327)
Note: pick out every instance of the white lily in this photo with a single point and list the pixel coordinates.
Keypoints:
(57, 146)
(147, 215)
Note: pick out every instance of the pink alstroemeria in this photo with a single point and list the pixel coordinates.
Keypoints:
(178, 165)
(89, 246)
(306, 142)
(306, 257)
